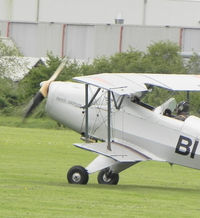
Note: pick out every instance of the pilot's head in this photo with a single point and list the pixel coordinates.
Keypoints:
(183, 106)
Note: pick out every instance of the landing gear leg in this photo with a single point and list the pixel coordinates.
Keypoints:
(77, 175)
(106, 176)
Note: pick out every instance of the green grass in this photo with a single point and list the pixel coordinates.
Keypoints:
(33, 166)
(18, 121)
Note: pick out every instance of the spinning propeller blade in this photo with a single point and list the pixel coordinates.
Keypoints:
(43, 92)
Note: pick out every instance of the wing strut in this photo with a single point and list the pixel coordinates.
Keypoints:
(109, 124)
(94, 96)
(87, 105)
(117, 106)
(188, 97)
(86, 113)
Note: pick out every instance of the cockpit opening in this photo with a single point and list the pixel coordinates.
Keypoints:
(170, 108)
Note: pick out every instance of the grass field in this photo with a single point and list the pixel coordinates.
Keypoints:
(33, 166)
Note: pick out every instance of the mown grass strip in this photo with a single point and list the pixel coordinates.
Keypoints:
(33, 166)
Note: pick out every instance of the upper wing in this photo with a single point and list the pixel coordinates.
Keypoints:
(129, 83)
(175, 82)
(122, 84)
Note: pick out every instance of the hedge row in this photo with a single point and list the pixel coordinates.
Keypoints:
(161, 57)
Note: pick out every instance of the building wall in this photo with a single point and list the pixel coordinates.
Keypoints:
(5, 9)
(107, 39)
(191, 40)
(140, 37)
(35, 40)
(79, 41)
(183, 13)
(3, 29)
(134, 12)
(84, 41)
(87, 42)
(23, 10)
(90, 11)
(19, 10)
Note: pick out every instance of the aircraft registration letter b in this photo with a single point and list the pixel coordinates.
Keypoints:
(183, 146)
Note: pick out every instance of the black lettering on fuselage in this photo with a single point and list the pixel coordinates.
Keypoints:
(184, 145)
(194, 149)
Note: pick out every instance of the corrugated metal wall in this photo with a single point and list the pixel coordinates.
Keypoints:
(191, 40)
(89, 41)
(79, 41)
(107, 39)
(140, 37)
(36, 40)
(3, 29)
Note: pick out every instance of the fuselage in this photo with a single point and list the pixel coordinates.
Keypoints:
(157, 136)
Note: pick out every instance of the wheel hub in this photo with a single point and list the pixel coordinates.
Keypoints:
(106, 178)
(76, 177)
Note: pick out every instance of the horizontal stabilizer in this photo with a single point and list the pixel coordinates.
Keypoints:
(119, 152)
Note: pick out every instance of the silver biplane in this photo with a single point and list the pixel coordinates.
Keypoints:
(107, 110)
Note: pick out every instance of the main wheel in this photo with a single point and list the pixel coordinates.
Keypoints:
(106, 177)
(77, 175)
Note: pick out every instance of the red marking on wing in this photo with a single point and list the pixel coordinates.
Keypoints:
(102, 81)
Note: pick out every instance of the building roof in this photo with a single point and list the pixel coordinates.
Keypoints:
(16, 68)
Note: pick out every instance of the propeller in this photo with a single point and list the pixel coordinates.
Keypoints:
(43, 92)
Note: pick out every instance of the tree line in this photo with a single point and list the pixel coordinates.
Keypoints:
(160, 57)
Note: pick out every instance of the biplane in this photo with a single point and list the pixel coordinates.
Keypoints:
(108, 111)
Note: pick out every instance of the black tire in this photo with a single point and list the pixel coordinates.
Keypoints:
(77, 175)
(105, 177)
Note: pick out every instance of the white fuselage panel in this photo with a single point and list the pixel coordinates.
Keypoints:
(156, 136)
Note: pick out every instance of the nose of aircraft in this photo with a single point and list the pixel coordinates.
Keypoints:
(43, 92)
(65, 103)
